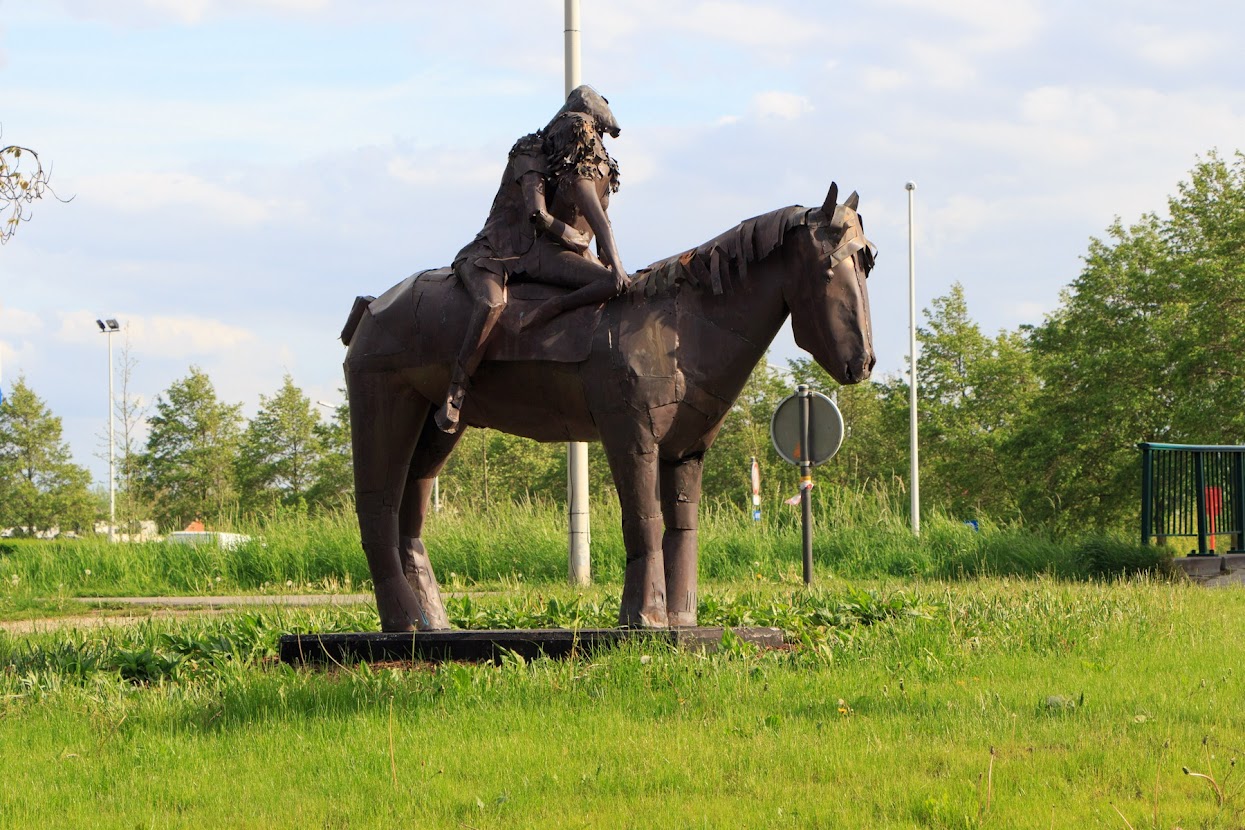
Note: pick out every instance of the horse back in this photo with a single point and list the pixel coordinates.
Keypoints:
(420, 322)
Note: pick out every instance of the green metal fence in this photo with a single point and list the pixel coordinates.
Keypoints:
(1189, 490)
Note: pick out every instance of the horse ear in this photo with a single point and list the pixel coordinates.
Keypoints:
(853, 200)
(832, 200)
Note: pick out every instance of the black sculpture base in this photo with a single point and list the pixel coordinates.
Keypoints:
(492, 644)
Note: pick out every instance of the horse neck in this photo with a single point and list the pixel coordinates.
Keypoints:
(733, 329)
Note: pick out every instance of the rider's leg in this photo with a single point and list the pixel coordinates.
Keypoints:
(488, 301)
(593, 283)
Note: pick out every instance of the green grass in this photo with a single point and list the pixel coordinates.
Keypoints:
(857, 535)
(1003, 702)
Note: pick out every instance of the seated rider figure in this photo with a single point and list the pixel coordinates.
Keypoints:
(552, 201)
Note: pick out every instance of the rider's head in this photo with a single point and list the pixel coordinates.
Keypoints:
(587, 100)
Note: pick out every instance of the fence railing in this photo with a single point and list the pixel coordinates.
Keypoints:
(1189, 490)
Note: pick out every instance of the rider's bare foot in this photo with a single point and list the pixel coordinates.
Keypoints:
(447, 418)
(447, 415)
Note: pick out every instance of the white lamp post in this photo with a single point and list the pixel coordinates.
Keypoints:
(579, 542)
(915, 475)
(110, 327)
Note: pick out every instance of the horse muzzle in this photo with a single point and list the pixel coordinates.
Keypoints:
(859, 369)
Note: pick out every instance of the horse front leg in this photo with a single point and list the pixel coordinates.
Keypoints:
(413, 556)
(680, 508)
(385, 419)
(431, 452)
(634, 467)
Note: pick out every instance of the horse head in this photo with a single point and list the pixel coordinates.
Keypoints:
(826, 290)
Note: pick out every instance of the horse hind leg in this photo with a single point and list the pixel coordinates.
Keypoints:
(431, 452)
(680, 506)
(385, 421)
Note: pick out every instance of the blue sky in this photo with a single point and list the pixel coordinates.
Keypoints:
(241, 170)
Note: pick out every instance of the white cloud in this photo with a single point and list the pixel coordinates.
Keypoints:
(942, 65)
(995, 25)
(750, 24)
(755, 26)
(185, 12)
(1014, 176)
(640, 166)
(159, 335)
(18, 322)
(1170, 49)
(145, 192)
(446, 167)
(1117, 129)
(963, 215)
(1028, 310)
(1065, 105)
(783, 105)
(883, 79)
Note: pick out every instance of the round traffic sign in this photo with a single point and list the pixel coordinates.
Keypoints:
(825, 429)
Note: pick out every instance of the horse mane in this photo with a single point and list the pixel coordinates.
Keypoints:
(726, 257)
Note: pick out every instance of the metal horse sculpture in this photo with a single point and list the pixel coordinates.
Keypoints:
(652, 375)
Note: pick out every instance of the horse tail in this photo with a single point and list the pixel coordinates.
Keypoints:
(356, 314)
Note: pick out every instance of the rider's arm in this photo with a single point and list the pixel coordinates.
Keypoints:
(534, 199)
(584, 191)
(529, 166)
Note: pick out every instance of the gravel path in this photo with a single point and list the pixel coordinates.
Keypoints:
(231, 601)
(138, 609)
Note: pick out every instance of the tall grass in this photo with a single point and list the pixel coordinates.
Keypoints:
(856, 535)
(985, 704)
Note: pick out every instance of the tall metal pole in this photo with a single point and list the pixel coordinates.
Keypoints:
(112, 458)
(571, 34)
(915, 474)
(806, 483)
(579, 565)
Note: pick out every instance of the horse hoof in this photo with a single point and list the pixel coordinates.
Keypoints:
(682, 619)
(654, 619)
(395, 628)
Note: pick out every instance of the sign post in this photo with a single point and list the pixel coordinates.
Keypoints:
(806, 485)
(756, 490)
(807, 430)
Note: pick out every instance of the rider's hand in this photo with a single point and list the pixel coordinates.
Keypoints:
(542, 220)
(621, 281)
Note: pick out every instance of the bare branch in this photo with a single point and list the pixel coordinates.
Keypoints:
(23, 179)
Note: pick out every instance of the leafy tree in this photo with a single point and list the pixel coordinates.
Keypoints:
(40, 486)
(22, 181)
(333, 470)
(279, 450)
(192, 445)
(972, 391)
(1205, 246)
(490, 467)
(745, 435)
(1145, 347)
